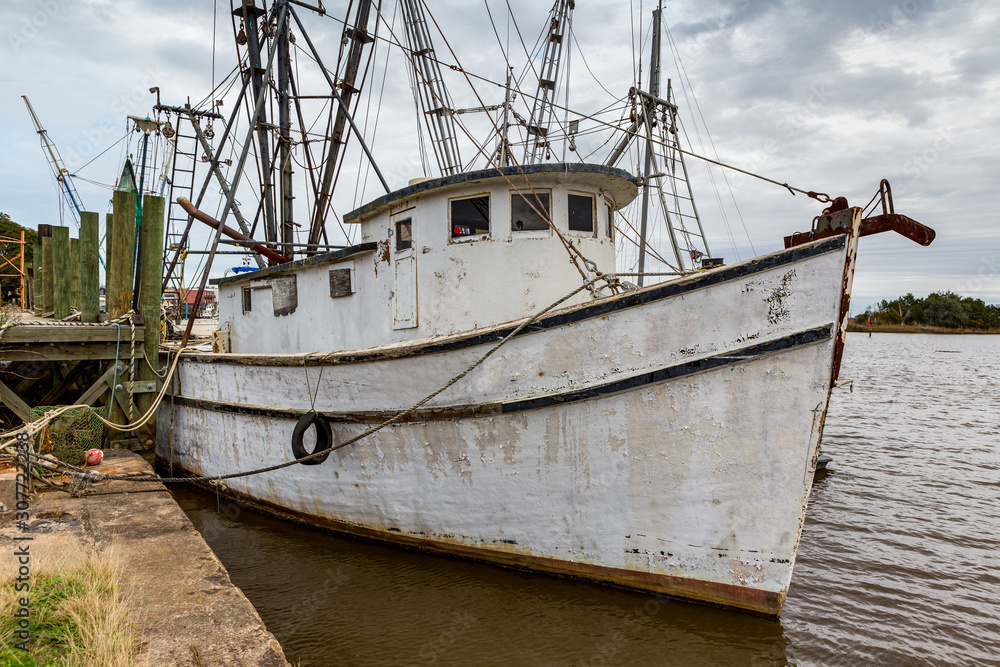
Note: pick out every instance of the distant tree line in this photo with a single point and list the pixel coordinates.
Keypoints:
(938, 309)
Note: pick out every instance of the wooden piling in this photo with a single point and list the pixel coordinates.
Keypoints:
(118, 297)
(90, 286)
(36, 276)
(108, 235)
(151, 275)
(61, 287)
(74, 273)
(48, 302)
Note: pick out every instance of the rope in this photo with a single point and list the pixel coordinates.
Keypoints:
(611, 279)
(35, 427)
(132, 370)
(312, 396)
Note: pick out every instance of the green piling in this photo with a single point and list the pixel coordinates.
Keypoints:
(48, 297)
(74, 273)
(62, 284)
(118, 296)
(90, 286)
(108, 235)
(37, 280)
(151, 275)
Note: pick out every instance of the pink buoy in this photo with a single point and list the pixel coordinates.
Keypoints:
(93, 457)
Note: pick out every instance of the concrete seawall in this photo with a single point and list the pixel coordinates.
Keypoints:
(185, 608)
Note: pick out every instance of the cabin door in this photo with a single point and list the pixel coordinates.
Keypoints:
(404, 274)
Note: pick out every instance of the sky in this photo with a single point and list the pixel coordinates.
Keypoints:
(829, 97)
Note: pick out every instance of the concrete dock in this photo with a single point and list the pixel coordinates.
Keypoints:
(185, 608)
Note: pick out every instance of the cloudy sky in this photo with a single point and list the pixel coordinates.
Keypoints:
(826, 96)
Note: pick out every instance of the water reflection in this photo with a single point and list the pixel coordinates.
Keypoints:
(898, 561)
(337, 600)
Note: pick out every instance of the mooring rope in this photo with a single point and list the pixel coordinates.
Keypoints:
(33, 428)
(93, 476)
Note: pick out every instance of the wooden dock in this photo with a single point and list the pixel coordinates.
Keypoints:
(55, 363)
(47, 361)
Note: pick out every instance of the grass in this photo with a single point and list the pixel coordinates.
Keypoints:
(914, 328)
(79, 616)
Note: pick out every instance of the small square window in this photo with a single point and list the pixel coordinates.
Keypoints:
(404, 235)
(247, 300)
(529, 211)
(340, 283)
(470, 217)
(581, 213)
(611, 220)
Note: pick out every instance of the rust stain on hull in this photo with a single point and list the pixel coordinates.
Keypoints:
(764, 603)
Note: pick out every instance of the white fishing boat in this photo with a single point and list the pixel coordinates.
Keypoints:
(518, 406)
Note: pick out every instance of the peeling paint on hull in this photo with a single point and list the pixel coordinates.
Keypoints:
(692, 485)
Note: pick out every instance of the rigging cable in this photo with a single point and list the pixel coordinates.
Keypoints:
(819, 196)
(682, 70)
(570, 248)
(79, 169)
(587, 65)
(362, 163)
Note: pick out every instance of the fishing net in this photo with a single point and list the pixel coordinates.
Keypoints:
(70, 434)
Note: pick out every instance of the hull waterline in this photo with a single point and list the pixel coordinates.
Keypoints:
(641, 441)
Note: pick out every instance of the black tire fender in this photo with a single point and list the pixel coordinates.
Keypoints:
(324, 437)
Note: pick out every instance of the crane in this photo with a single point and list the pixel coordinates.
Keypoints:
(62, 175)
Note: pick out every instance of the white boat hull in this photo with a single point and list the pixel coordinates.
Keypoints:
(642, 440)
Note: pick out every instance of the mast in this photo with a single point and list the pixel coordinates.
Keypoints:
(654, 88)
(285, 137)
(542, 110)
(504, 135)
(359, 37)
(251, 13)
(434, 98)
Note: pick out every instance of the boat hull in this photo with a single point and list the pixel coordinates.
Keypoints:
(642, 440)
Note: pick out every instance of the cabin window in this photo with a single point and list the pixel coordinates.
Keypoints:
(404, 235)
(611, 219)
(529, 211)
(470, 216)
(581, 213)
(247, 300)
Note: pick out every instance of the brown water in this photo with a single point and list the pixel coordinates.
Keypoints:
(899, 561)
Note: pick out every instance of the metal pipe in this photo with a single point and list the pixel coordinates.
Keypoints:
(201, 216)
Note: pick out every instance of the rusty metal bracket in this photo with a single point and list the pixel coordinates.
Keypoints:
(831, 224)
